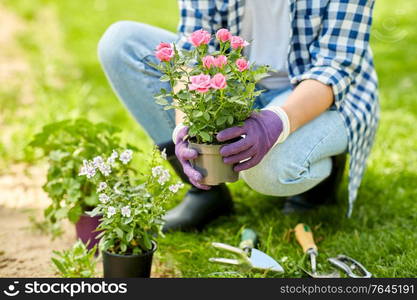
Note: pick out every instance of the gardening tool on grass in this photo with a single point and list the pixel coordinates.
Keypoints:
(349, 266)
(249, 257)
(304, 236)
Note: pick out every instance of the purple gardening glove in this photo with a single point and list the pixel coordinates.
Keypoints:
(261, 131)
(184, 154)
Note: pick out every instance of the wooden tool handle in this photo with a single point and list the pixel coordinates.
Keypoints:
(304, 236)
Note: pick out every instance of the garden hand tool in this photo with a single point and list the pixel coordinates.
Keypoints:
(304, 236)
(249, 257)
(349, 265)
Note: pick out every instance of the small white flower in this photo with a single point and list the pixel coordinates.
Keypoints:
(114, 154)
(165, 176)
(98, 161)
(164, 153)
(103, 198)
(126, 156)
(125, 211)
(102, 186)
(173, 188)
(284, 259)
(111, 211)
(112, 159)
(176, 187)
(105, 169)
(156, 171)
(87, 169)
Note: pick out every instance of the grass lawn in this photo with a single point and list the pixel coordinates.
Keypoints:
(63, 79)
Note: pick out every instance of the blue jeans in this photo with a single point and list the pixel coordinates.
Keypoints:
(293, 167)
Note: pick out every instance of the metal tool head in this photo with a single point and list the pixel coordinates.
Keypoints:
(256, 261)
(313, 257)
(262, 261)
(350, 266)
(334, 274)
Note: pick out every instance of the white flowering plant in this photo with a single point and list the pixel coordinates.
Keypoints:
(66, 144)
(132, 205)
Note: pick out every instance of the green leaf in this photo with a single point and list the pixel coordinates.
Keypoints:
(85, 274)
(260, 76)
(129, 236)
(164, 78)
(197, 114)
(192, 131)
(119, 233)
(59, 265)
(75, 213)
(95, 212)
(205, 136)
(91, 200)
(183, 95)
(61, 213)
(206, 116)
(161, 101)
(230, 120)
(54, 189)
(146, 241)
(123, 247)
(220, 121)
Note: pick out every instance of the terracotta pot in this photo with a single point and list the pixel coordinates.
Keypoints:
(128, 266)
(86, 230)
(210, 164)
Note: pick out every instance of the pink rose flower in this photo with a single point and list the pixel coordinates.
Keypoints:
(163, 45)
(164, 52)
(242, 64)
(208, 61)
(237, 42)
(220, 61)
(200, 83)
(200, 37)
(218, 81)
(223, 35)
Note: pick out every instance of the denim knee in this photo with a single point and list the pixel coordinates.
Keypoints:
(113, 42)
(281, 177)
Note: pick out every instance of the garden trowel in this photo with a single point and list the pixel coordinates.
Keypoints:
(249, 257)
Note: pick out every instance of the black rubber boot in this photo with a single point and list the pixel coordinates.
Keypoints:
(199, 207)
(324, 193)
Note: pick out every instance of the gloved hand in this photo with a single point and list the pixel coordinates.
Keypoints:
(261, 130)
(184, 155)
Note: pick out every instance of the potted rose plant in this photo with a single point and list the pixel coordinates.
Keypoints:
(65, 144)
(132, 207)
(219, 92)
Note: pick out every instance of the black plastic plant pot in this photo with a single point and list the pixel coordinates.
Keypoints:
(128, 266)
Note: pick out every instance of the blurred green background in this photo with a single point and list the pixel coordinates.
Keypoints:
(49, 71)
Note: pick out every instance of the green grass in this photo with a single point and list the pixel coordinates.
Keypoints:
(60, 45)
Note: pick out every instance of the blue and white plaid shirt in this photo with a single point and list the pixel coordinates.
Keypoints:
(329, 43)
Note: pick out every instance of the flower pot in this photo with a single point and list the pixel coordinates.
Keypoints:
(128, 266)
(210, 164)
(86, 230)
